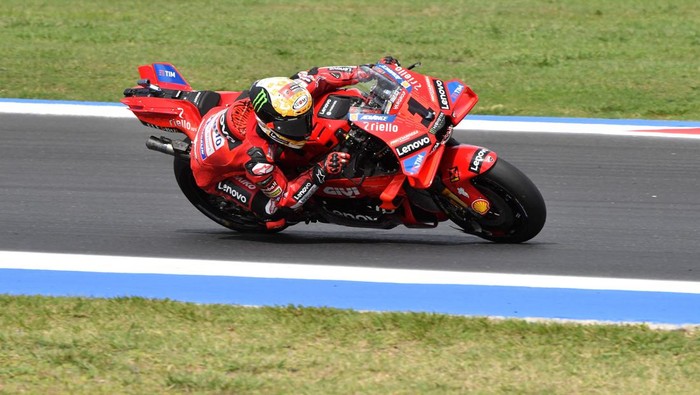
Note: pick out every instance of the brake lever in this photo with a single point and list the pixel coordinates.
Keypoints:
(417, 64)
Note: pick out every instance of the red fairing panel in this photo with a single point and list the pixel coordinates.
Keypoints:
(169, 115)
(470, 160)
(355, 188)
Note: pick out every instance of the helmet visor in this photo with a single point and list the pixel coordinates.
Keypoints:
(297, 128)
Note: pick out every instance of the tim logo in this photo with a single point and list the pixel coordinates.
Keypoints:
(167, 73)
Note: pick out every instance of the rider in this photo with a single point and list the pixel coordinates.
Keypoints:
(236, 146)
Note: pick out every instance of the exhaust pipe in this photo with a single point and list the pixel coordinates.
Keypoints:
(167, 146)
(157, 144)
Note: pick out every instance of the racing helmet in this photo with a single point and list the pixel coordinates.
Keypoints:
(283, 109)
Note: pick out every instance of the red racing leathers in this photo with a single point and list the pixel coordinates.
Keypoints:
(231, 158)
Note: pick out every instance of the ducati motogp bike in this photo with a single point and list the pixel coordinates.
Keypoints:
(406, 166)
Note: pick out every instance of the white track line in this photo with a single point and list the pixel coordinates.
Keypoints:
(116, 110)
(70, 109)
(199, 267)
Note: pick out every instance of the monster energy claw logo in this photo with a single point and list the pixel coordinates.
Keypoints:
(260, 100)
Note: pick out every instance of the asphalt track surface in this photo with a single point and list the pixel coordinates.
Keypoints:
(620, 207)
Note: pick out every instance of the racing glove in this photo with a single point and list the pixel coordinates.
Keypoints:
(389, 60)
(335, 162)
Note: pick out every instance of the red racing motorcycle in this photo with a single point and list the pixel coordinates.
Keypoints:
(406, 168)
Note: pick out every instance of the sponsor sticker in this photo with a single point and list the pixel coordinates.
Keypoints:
(442, 94)
(409, 78)
(260, 169)
(372, 117)
(478, 160)
(455, 89)
(236, 192)
(300, 102)
(270, 188)
(481, 206)
(182, 123)
(341, 191)
(202, 151)
(319, 176)
(304, 194)
(356, 217)
(260, 100)
(413, 164)
(245, 182)
(404, 137)
(453, 174)
(163, 128)
(303, 191)
(209, 141)
(218, 139)
(413, 146)
(342, 69)
(328, 106)
(380, 127)
(167, 73)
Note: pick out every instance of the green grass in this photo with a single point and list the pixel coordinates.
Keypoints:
(134, 345)
(594, 58)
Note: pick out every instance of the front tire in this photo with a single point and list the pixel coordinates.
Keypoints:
(517, 212)
(216, 208)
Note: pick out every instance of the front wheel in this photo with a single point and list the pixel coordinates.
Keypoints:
(216, 208)
(517, 212)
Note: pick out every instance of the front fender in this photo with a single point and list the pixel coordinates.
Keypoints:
(459, 165)
(463, 162)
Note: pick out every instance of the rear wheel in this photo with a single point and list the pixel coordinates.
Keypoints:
(216, 208)
(517, 212)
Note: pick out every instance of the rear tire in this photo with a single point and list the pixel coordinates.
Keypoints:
(517, 212)
(216, 208)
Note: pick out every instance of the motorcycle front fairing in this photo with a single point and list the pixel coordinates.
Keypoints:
(406, 113)
(417, 115)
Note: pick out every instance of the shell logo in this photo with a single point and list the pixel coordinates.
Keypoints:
(481, 206)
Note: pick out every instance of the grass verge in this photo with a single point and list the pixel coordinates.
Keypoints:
(135, 345)
(598, 58)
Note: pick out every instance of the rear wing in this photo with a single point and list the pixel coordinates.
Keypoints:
(165, 75)
(165, 101)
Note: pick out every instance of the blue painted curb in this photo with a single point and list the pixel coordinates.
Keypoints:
(471, 300)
